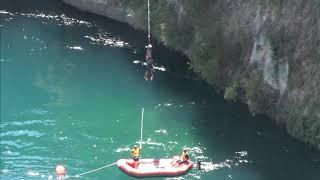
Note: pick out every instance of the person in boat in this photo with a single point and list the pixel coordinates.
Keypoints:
(184, 156)
(135, 152)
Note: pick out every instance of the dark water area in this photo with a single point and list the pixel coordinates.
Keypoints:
(72, 92)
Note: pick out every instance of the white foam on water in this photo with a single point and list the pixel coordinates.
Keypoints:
(76, 48)
(33, 173)
(124, 149)
(4, 171)
(161, 131)
(136, 62)
(5, 12)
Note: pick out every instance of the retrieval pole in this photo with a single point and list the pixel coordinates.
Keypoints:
(141, 130)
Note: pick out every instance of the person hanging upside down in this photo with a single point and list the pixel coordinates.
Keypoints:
(149, 73)
(148, 76)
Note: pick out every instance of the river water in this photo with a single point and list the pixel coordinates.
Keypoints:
(72, 93)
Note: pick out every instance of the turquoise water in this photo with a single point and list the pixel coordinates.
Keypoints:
(71, 94)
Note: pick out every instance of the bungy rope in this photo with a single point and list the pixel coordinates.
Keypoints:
(149, 36)
(88, 172)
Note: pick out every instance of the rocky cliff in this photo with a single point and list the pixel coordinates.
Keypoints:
(265, 53)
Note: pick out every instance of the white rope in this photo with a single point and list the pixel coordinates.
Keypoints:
(141, 129)
(94, 170)
(149, 21)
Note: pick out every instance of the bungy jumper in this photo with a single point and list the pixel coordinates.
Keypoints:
(154, 167)
(148, 76)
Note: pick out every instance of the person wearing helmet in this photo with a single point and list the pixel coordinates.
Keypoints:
(61, 171)
(184, 156)
(135, 152)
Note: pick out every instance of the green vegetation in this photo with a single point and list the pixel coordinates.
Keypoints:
(231, 92)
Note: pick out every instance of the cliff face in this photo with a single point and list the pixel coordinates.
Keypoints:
(265, 53)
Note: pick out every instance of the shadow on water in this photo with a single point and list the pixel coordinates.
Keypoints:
(230, 133)
(270, 151)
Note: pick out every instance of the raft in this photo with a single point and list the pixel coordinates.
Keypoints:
(154, 167)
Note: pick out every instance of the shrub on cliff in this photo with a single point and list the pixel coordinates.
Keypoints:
(231, 92)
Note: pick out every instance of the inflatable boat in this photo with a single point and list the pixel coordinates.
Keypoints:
(154, 167)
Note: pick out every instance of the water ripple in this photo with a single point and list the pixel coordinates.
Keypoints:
(122, 149)
(4, 60)
(106, 40)
(10, 153)
(22, 133)
(46, 122)
(160, 68)
(27, 158)
(161, 131)
(39, 111)
(64, 19)
(6, 12)
(173, 105)
(10, 143)
(76, 48)
(61, 19)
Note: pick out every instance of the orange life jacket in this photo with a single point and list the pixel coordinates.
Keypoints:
(135, 152)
